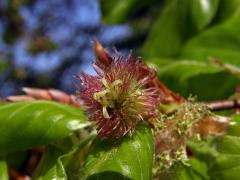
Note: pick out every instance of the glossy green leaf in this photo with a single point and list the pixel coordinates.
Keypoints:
(221, 41)
(3, 171)
(227, 9)
(58, 163)
(197, 78)
(203, 11)
(36, 123)
(51, 167)
(234, 126)
(165, 38)
(204, 150)
(196, 30)
(226, 162)
(130, 158)
(229, 145)
(197, 170)
(221, 154)
(179, 21)
(226, 167)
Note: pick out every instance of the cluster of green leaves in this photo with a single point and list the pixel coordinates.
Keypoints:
(26, 125)
(179, 44)
(60, 129)
(217, 157)
(183, 35)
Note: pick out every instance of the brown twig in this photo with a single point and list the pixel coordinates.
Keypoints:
(62, 97)
(228, 67)
(46, 94)
(223, 105)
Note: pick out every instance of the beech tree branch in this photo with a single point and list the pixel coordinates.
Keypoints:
(223, 105)
(32, 94)
(62, 97)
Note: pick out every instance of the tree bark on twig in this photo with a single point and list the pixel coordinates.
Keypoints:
(223, 105)
(46, 94)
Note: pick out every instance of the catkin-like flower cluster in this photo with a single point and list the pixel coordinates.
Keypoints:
(173, 132)
(121, 95)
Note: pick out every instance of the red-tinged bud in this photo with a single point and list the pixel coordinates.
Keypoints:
(103, 57)
(119, 97)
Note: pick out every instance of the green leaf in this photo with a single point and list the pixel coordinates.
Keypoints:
(234, 126)
(56, 162)
(179, 21)
(226, 165)
(202, 12)
(197, 170)
(165, 38)
(221, 154)
(195, 30)
(31, 124)
(50, 166)
(131, 158)
(221, 41)
(204, 150)
(197, 78)
(227, 9)
(3, 171)
(204, 27)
